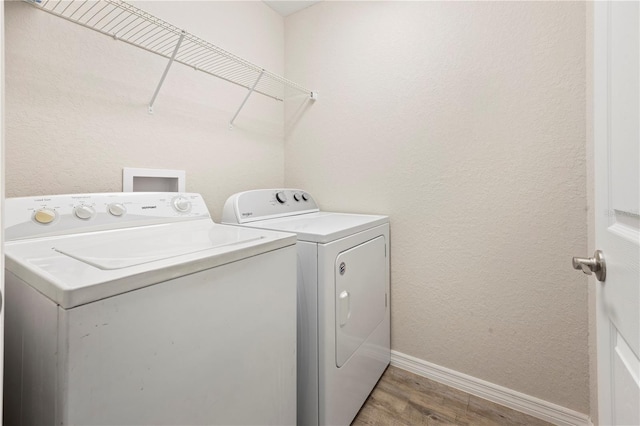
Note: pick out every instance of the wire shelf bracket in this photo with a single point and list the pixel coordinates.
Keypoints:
(124, 22)
(164, 74)
(246, 98)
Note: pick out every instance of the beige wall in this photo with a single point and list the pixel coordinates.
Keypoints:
(591, 226)
(76, 105)
(465, 122)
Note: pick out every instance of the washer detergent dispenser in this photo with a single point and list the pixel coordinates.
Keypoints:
(343, 298)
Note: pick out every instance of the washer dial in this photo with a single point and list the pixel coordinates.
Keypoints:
(84, 212)
(116, 209)
(181, 204)
(45, 216)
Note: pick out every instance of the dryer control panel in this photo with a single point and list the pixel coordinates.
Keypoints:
(261, 204)
(41, 216)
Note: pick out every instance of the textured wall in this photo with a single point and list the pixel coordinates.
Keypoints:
(76, 105)
(465, 122)
(591, 217)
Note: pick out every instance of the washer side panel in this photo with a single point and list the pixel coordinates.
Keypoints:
(30, 355)
(307, 333)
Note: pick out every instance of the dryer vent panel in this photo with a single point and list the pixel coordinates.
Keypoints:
(152, 180)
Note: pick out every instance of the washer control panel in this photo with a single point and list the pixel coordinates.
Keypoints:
(28, 217)
(263, 204)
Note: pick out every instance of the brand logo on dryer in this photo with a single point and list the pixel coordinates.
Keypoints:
(149, 207)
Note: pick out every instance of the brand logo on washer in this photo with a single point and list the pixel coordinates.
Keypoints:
(343, 268)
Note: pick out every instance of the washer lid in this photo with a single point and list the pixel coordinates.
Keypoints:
(76, 269)
(321, 227)
(144, 245)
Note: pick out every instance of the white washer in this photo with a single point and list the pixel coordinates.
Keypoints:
(343, 298)
(135, 308)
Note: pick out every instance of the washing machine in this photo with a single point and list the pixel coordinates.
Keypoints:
(136, 308)
(343, 298)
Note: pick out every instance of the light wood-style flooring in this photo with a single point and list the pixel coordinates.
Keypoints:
(402, 398)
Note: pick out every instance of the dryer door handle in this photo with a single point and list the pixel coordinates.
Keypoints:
(345, 307)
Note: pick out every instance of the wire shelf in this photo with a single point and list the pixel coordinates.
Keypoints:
(136, 27)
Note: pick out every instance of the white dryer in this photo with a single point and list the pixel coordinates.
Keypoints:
(135, 308)
(343, 298)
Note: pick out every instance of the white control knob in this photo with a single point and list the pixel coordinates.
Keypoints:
(116, 209)
(296, 197)
(305, 196)
(181, 204)
(281, 197)
(84, 212)
(45, 216)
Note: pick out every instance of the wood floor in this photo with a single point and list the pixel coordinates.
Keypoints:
(403, 398)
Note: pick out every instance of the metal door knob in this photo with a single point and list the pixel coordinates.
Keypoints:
(592, 265)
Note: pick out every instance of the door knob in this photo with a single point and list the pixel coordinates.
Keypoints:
(592, 265)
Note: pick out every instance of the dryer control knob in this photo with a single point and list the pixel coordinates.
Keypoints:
(84, 212)
(181, 204)
(45, 216)
(305, 196)
(116, 209)
(296, 197)
(281, 197)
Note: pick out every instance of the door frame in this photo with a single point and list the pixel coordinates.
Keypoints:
(2, 193)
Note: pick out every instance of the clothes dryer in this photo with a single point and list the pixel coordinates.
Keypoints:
(135, 308)
(343, 298)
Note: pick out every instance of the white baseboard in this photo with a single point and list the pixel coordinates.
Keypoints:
(500, 395)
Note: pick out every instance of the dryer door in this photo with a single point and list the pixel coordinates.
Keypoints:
(360, 285)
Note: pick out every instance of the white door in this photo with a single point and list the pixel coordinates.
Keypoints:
(617, 176)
